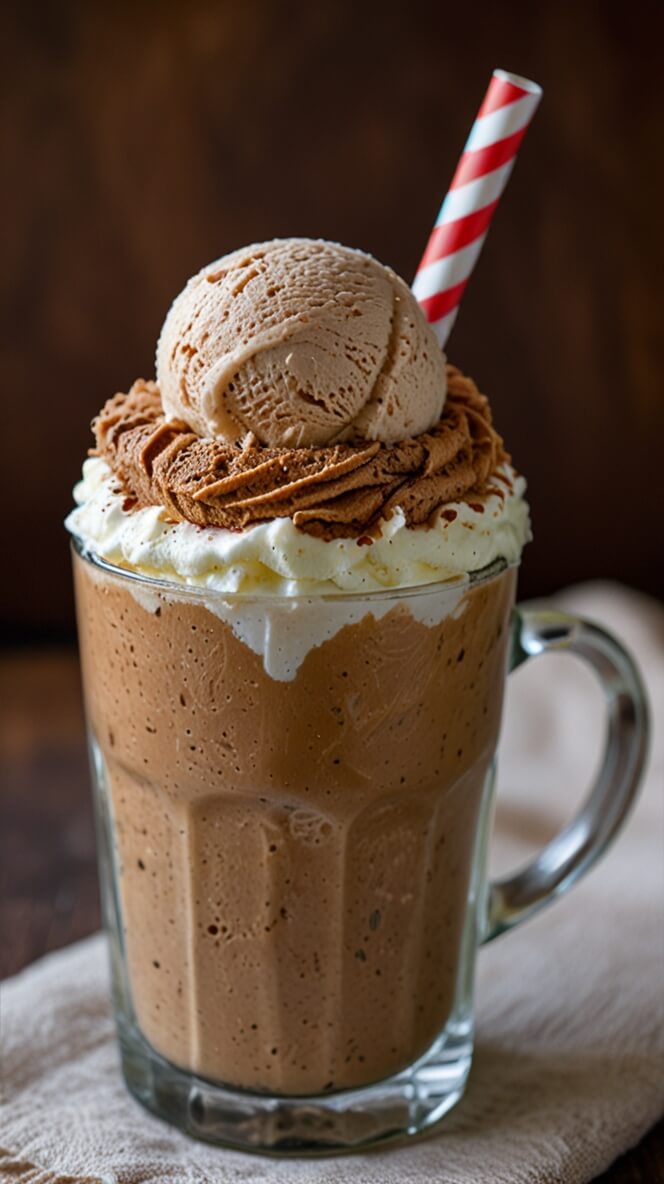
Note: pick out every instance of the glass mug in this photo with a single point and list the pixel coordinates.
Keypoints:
(294, 798)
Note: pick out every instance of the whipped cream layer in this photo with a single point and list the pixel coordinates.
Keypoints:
(276, 558)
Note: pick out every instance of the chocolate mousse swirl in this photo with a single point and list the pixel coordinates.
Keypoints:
(338, 491)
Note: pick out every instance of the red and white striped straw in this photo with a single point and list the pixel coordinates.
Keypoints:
(465, 215)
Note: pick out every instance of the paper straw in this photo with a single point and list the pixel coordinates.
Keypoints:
(465, 215)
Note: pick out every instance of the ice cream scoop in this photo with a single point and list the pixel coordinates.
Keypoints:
(303, 343)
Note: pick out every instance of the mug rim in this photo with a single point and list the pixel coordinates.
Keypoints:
(181, 590)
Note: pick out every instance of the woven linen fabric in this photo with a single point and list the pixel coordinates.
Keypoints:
(569, 1063)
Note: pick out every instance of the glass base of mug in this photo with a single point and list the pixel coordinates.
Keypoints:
(404, 1105)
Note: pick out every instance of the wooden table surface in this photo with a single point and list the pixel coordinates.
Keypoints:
(47, 852)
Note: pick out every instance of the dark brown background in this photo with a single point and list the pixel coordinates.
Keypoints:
(142, 140)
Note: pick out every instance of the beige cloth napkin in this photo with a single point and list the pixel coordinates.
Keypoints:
(569, 1066)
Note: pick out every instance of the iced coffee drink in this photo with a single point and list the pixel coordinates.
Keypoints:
(295, 557)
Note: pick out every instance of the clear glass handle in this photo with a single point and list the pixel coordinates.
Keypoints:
(577, 847)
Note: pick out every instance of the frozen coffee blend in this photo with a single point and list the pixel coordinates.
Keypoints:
(295, 567)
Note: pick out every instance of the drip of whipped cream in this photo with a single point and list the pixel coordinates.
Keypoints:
(282, 631)
(276, 559)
